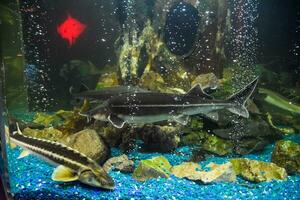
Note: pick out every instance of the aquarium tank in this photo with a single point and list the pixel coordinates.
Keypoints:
(150, 99)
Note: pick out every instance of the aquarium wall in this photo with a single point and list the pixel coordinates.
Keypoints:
(150, 99)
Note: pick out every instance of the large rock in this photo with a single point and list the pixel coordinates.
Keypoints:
(152, 168)
(108, 80)
(111, 134)
(286, 154)
(186, 169)
(208, 80)
(89, 143)
(258, 171)
(218, 173)
(159, 138)
(217, 145)
(119, 163)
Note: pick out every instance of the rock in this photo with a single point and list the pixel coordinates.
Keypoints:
(258, 171)
(128, 142)
(208, 80)
(249, 145)
(159, 138)
(248, 135)
(186, 169)
(108, 80)
(119, 163)
(46, 119)
(195, 123)
(155, 82)
(89, 143)
(152, 81)
(218, 173)
(47, 133)
(152, 168)
(198, 155)
(74, 122)
(286, 154)
(245, 128)
(217, 145)
(111, 135)
(193, 138)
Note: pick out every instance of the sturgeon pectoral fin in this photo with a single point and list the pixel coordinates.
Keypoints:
(240, 110)
(116, 121)
(182, 119)
(64, 174)
(213, 115)
(23, 154)
(197, 91)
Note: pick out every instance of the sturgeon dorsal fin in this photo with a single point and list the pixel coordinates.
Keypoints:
(198, 92)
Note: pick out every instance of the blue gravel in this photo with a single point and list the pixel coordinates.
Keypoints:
(31, 179)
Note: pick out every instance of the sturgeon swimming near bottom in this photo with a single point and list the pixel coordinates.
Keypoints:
(141, 108)
(72, 165)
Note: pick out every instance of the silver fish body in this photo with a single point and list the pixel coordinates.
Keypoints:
(140, 108)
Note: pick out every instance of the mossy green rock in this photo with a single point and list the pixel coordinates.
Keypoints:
(258, 171)
(286, 154)
(52, 119)
(152, 168)
(193, 138)
(217, 145)
(47, 133)
(46, 119)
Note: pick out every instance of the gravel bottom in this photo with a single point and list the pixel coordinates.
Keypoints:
(30, 179)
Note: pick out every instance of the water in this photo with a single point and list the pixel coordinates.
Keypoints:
(91, 81)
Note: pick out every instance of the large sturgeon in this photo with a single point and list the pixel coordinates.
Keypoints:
(72, 165)
(141, 108)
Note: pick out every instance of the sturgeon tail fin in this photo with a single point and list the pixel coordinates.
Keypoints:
(240, 98)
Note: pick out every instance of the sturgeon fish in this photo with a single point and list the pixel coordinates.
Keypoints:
(72, 165)
(105, 93)
(141, 108)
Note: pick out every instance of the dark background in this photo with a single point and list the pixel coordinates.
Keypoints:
(49, 52)
(277, 25)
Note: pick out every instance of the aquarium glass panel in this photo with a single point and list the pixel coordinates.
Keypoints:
(150, 99)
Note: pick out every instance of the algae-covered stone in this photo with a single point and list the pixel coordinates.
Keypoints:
(195, 137)
(120, 163)
(208, 80)
(286, 154)
(159, 138)
(89, 143)
(258, 171)
(74, 122)
(108, 80)
(195, 123)
(152, 168)
(218, 173)
(52, 119)
(111, 134)
(47, 119)
(217, 145)
(47, 133)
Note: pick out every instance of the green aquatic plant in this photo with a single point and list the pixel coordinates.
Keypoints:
(7, 15)
(279, 101)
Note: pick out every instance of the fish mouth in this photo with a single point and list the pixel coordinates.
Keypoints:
(109, 184)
